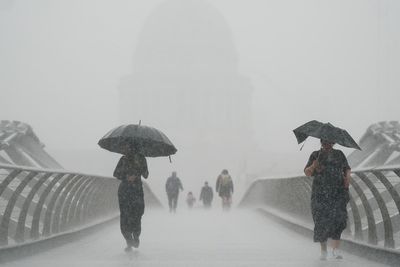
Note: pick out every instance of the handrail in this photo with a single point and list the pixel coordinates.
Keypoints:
(372, 220)
(40, 203)
(59, 171)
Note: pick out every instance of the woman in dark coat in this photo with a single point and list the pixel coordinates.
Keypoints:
(129, 170)
(329, 195)
(224, 187)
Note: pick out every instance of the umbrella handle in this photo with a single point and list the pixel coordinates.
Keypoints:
(170, 161)
(319, 153)
(303, 144)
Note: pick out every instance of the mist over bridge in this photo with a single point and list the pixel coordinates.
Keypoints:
(202, 71)
(58, 217)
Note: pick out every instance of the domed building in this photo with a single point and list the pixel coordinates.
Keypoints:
(185, 81)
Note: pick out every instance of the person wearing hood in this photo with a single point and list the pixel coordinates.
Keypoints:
(224, 188)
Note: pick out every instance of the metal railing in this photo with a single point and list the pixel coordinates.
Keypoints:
(374, 206)
(39, 203)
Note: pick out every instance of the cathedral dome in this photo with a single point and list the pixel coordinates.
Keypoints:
(185, 37)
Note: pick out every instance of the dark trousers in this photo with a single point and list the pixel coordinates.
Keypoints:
(172, 201)
(131, 210)
(207, 204)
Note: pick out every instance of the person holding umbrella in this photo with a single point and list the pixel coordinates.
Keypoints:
(330, 187)
(329, 195)
(130, 168)
(135, 142)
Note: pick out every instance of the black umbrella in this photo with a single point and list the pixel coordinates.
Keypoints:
(325, 131)
(145, 140)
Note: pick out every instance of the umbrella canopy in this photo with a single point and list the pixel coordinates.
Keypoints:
(325, 131)
(145, 140)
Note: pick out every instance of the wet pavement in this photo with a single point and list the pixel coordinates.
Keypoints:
(194, 238)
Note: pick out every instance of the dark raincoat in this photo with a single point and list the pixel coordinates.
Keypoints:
(172, 187)
(206, 195)
(130, 194)
(224, 185)
(329, 197)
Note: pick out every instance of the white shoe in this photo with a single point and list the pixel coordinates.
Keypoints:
(336, 255)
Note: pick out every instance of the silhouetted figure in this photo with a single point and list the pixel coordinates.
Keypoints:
(172, 187)
(206, 195)
(224, 187)
(129, 170)
(190, 200)
(329, 195)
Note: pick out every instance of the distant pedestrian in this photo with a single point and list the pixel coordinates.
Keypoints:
(172, 187)
(224, 187)
(129, 170)
(190, 200)
(206, 195)
(329, 195)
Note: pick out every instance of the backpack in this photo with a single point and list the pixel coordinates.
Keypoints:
(225, 180)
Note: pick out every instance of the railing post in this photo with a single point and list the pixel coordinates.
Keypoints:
(392, 191)
(10, 206)
(50, 207)
(20, 233)
(77, 218)
(372, 235)
(387, 223)
(358, 234)
(8, 180)
(73, 197)
(40, 204)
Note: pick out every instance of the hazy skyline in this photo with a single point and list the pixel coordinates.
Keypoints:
(338, 61)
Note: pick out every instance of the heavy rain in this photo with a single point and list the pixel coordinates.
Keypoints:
(160, 133)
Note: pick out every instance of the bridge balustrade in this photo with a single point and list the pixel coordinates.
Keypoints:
(373, 209)
(37, 204)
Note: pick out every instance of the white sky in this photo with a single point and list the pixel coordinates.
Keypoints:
(337, 61)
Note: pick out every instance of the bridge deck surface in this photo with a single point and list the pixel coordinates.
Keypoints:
(194, 238)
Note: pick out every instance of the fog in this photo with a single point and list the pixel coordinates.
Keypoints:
(63, 65)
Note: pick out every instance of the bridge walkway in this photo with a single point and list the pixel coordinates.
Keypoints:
(193, 238)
